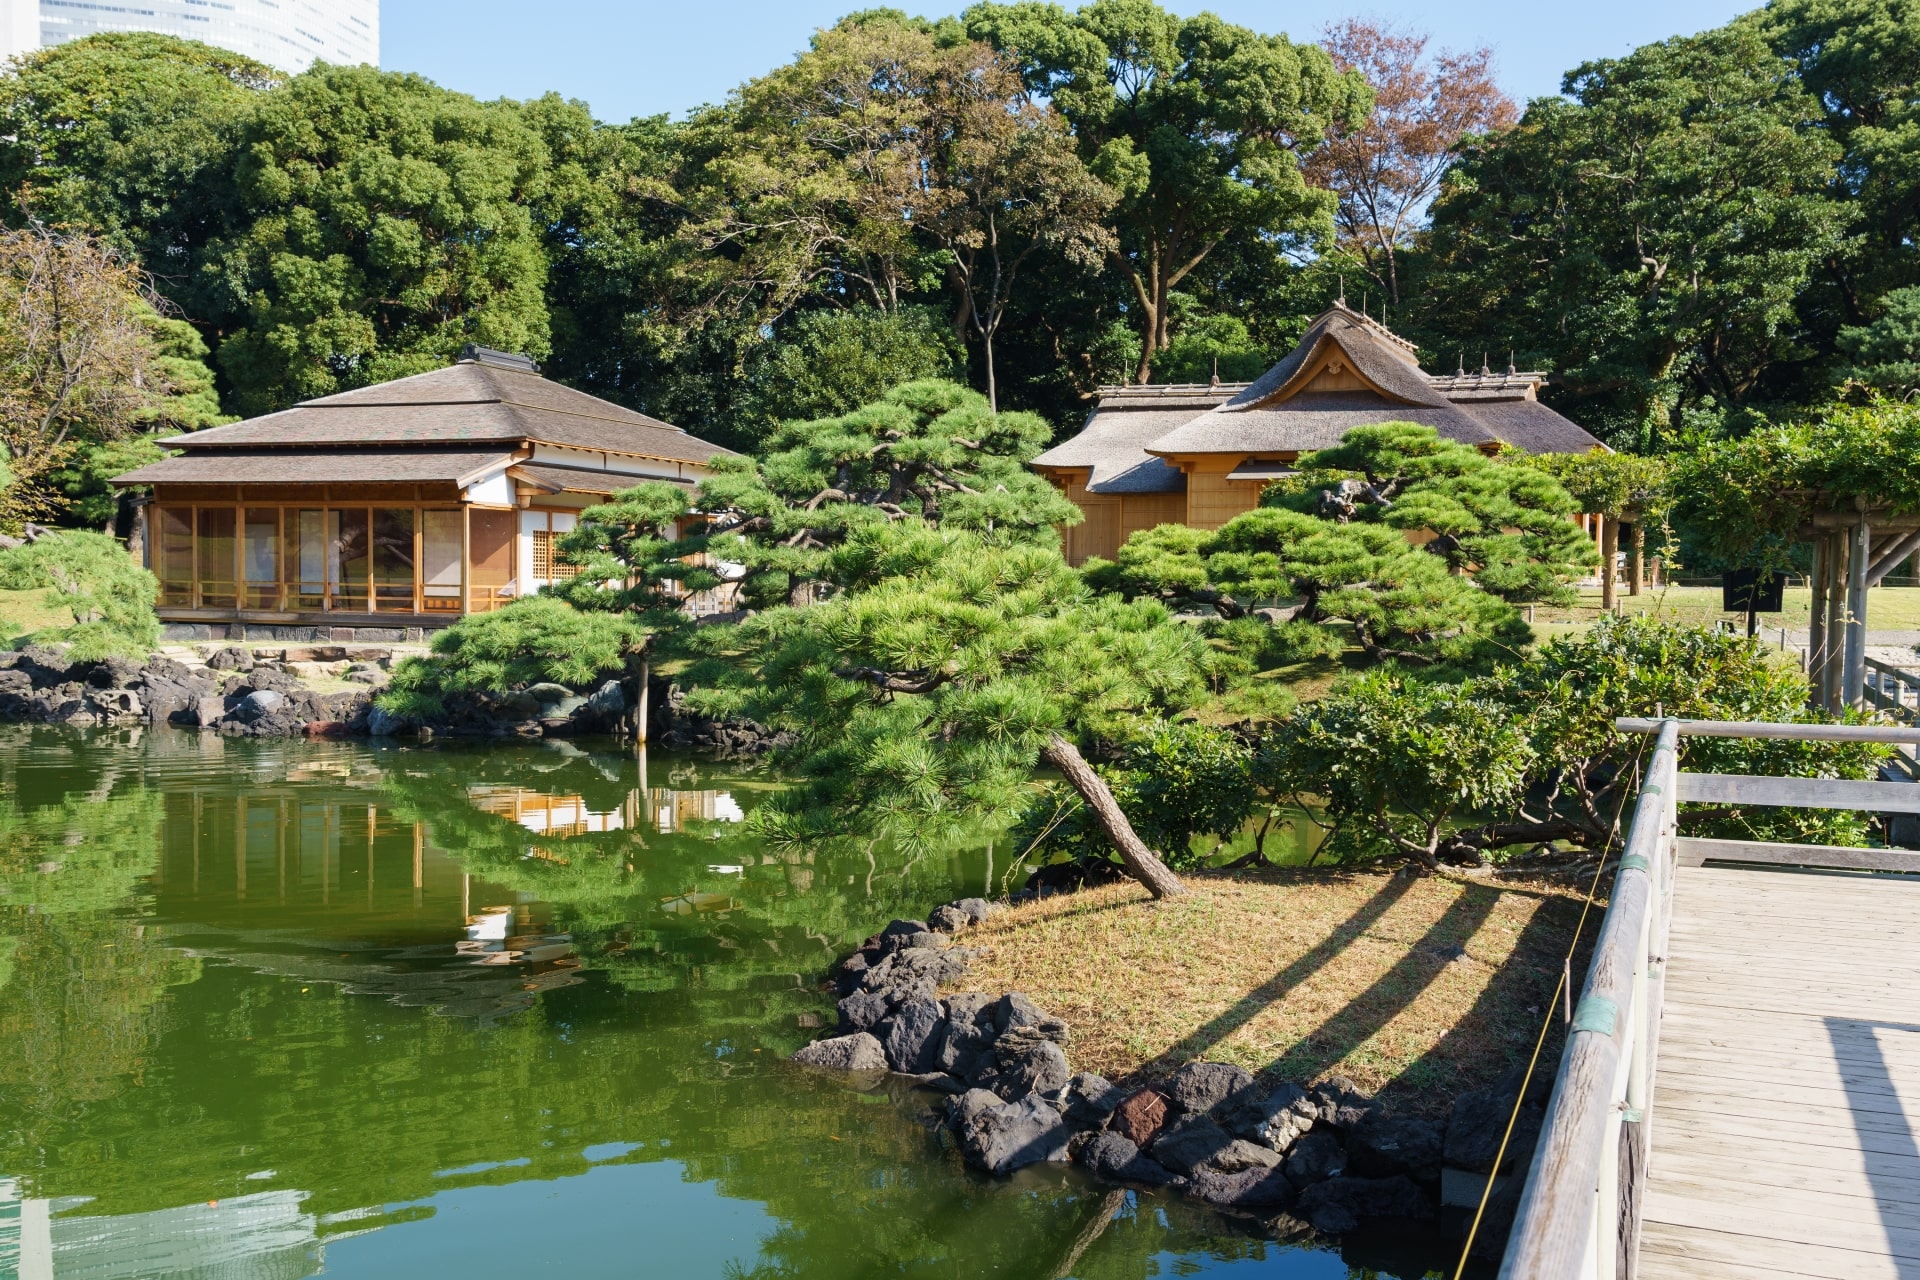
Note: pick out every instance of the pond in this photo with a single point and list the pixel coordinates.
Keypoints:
(283, 1009)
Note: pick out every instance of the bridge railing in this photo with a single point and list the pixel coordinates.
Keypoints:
(1579, 1211)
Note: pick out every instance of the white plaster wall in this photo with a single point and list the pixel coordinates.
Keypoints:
(494, 491)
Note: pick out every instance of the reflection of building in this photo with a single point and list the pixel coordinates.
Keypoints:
(670, 811)
(409, 503)
(550, 815)
(265, 1236)
(667, 811)
(398, 917)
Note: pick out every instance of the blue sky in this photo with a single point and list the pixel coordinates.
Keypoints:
(640, 57)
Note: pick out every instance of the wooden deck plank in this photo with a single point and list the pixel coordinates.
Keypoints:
(1788, 1081)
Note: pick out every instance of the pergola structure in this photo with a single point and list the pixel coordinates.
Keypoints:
(1852, 551)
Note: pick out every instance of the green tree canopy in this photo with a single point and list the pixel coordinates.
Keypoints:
(930, 451)
(1645, 238)
(528, 642)
(828, 362)
(129, 134)
(381, 223)
(91, 575)
(1886, 352)
(1860, 59)
(1197, 123)
(954, 664)
(1483, 532)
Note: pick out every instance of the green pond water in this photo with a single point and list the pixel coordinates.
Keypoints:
(283, 1009)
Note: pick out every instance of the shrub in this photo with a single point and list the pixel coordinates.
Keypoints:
(529, 642)
(1529, 756)
(91, 575)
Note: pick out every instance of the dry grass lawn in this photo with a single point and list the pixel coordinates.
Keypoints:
(1416, 987)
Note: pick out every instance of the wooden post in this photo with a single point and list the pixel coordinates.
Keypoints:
(1637, 562)
(1817, 623)
(1609, 547)
(1836, 620)
(1853, 688)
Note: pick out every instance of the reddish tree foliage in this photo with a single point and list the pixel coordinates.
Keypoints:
(1387, 171)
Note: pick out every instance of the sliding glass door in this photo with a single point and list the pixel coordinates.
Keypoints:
(347, 559)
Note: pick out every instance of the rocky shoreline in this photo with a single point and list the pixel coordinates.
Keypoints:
(231, 694)
(1320, 1157)
(262, 692)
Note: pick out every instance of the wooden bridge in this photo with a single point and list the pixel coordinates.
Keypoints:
(1733, 1098)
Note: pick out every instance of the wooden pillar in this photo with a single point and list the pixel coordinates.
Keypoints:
(1817, 622)
(1836, 619)
(1854, 686)
(1609, 546)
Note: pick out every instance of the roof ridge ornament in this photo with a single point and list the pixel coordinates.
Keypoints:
(474, 353)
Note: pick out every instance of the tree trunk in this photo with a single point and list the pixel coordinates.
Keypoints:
(1609, 547)
(1141, 862)
(993, 391)
(1637, 563)
(639, 675)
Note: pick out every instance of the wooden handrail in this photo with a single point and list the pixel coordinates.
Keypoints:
(1579, 1212)
(1570, 1224)
(1770, 729)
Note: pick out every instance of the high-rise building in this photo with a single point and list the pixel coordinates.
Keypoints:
(288, 34)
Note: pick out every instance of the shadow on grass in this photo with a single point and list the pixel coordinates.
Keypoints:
(1497, 1032)
(1392, 992)
(1196, 1043)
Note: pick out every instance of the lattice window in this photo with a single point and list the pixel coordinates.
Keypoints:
(547, 564)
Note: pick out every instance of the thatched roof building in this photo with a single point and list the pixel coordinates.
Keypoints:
(1200, 455)
(397, 506)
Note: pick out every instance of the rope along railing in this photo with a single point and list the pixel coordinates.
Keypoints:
(1579, 1212)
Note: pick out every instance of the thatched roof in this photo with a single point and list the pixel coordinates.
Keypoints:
(481, 398)
(322, 466)
(1132, 428)
(1128, 419)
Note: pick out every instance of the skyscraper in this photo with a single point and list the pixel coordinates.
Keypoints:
(288, 34)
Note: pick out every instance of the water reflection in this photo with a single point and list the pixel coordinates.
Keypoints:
(274, 1008)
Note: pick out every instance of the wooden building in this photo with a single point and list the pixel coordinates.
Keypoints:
(400, 506)
(1201, 454)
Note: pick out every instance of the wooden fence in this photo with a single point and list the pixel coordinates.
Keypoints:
(1579, 1212)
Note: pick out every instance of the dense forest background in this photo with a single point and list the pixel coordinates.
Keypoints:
(1710, 232)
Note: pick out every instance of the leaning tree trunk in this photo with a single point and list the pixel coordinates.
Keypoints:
(1141, 862)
